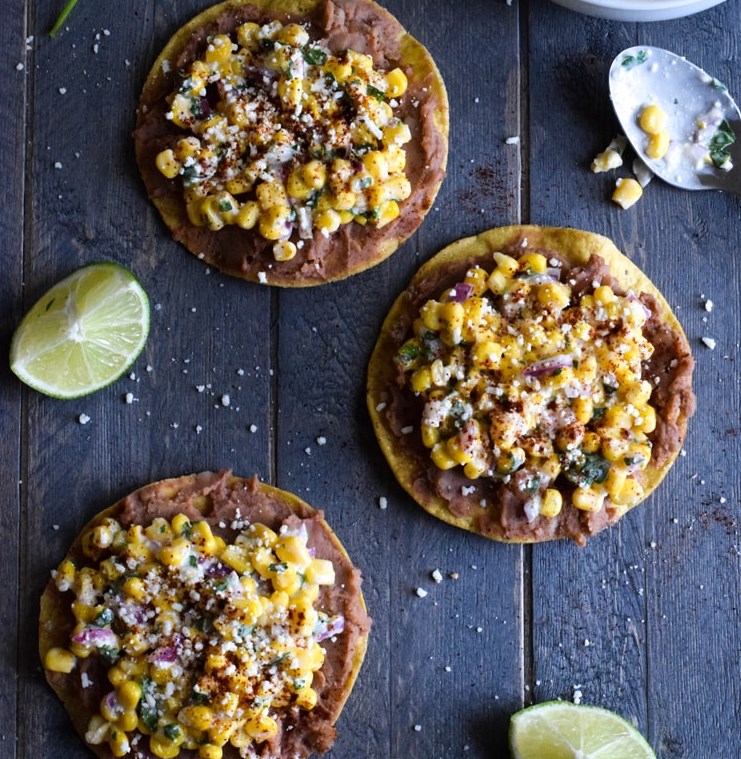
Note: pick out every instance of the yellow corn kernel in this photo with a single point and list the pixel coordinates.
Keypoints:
(116, 676)
(261, 727)
(211, 214)
(162, 747)
(397, 188)
(430, 435)
(128, 720)
(129, 692)
(630, 494)
(278, 601)
(652, 119)
(219, 50)
(604, 295)
(271, 194)
(344, 200)
(376, 165)
(248, 215)
(239, 185)
(248, 35)
(201, 536)
(452, 314)
(648, 423)
(658, 145)
(587, 499)
(210, 751)
(387, 212)
(320, 572)
(65, 576)
(287, 580)
(83, 612)
(551, 504)
(396, 83)
(306, 699)
(615, 480)
(430, 315)
(273, 222)
(263, 535)
(614, 449)
(187, 147)
(396, 159)
(176, 553)
(339, 69)
(180, 523)
(60, 660)
(292, 549)
(135, 644)
(118, 743)
(198, 717)
(284, 250)
(498, 281)
(506, 264)
(296, 185)
(487, 354)
(235, 558)
(536, 263)
(583, 409)
(550, 467)
(554, 295)
(327, 221)
(293, 34)
(618, 416)
(167, 164)
(456, 451)
(134, 588)
(314, 174)
(396, 132)
(639, 393)
(627, 192)
(474, 469)
(441, 458)
(421, 380)
(194, 213)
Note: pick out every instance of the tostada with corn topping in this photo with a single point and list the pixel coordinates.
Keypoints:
(293, 142)
(207, 616)
(530, 384)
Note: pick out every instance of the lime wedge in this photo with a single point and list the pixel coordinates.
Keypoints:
(83, 334)
(561, 730)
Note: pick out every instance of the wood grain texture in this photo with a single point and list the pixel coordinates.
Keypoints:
(656, 597)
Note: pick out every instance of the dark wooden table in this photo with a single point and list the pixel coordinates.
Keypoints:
(645, 620)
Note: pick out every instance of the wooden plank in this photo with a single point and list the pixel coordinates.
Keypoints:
(646, 656)
(14, 60)
(325, 339)
(93, 208)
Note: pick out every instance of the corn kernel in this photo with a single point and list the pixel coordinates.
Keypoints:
(587, 499)
(551, 504)
(176, 553)
(60, 660)
(315, 174)
(198, 717)
(536, 263)
(387, 212)
(630, 494)
(652, 119)
(167, 164)
(554, 295)
(627, 192)
(396, 83)
(134, 588)
(248, 215)
(320, 572)
(163, 748)
(658, 145)
(210, 751)
(441, 458)
(327, 221)
(284, 250)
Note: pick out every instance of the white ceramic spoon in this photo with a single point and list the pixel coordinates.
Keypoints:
(644, 75)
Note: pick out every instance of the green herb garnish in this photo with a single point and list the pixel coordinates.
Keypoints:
(592, 468)
(225, 206)
(314, 56)
(374, 92)
(62, 17)
(718, 85)
(278, 568)
(719, 144)
(172, 731)
(104, 618)
(408, 354)
(631, 61)
(109, 654)
(147, 708)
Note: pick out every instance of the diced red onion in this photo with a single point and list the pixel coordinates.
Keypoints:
(96, 636)
(217, 569)
(549, 365)
(312, 551)
(461, 292)
(205, 107)
(335, 626)
(166, 655)
(112, 702)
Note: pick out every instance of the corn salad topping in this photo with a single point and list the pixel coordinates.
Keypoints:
(286, 138)
(204, 640)
(524, 381)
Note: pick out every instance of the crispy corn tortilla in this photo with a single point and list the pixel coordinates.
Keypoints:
(408, 459)
(353, 248)
(194, 495)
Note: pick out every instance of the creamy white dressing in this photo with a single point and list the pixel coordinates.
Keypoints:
(695, 103)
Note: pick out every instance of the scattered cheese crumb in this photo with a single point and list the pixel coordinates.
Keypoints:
(653, 544)
(709, 342)
(708, 305)
(407, 430)
(83, 419)
(421, 592)
(129, 397)
(380, 407)
(85, 680)
(418, 728)
(57, 165)
(55, 527)
(321, 440)
(262, 277)
(253, 428)
(199, 429)
(383, 503)
(721, 500)
(19, 67)
(577, 696)
(307, 451)
(514, 140)
(437, 575)
(225, 400)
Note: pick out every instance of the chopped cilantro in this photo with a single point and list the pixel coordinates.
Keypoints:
(147, 707)
(609, 389)
(278, 568)
(104, 618)
(278, 660)
(172, 731)
(719, 144)
(598, 412)
(109, 654)
(408, 354)
(186, 529)
(532, 484)
(221, 585)
(314, 56)
(199, 698)
(376, 93)
(631, 61)
(225, 206)
(587, 470)
(718, 85)
(193, 561)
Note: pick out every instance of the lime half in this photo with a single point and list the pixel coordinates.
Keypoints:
(561, 730)
(83, 334)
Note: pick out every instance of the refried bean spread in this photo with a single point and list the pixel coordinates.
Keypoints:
(293, 148)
